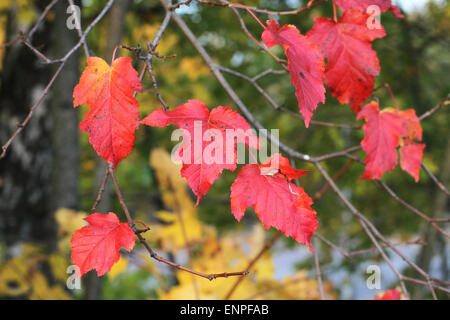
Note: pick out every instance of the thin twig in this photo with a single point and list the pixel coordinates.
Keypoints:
(444, 102)
(435, 180)
(318, 274)
(252, 263)
(100, 191)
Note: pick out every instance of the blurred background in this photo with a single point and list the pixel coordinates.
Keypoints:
(50, 176)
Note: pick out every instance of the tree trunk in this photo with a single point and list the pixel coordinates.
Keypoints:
(65, 132)
(25, 171)
(435, 240)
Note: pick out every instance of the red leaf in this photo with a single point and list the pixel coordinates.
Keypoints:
(396, 12)
(383, 133)
(278, 163)
(411, 153)
(113, 115)
(411, 158)
(305, 63)
(392, 294)
(201, 166)
(381, 138)
(362, 5)
(97, 245)
(352, 64)
(277, 202)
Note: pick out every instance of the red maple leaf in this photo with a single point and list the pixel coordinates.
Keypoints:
(396, 12)
(204, 161)
(385, 131)
(97, 245)
(392, 294)
(411, 153)
(305, 63)
(362, 5)
(352, 63)
(277, 202)
(113, 115)
(278, 163)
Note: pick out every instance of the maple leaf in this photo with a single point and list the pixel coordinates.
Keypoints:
(278, 163)
(113, 115)
(96, 246)
(306, 65)
(411, 153)
(396, 12)
(277, 202)
(203, 163)
(392, 294)
(362, 5)
(385, 131)
(352, 63)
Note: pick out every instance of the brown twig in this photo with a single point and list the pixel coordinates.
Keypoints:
(435, 180)
(444, 102)
(100, 191)
(318, 273)
(252, 263)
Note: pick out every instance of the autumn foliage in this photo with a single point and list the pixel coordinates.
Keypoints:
(334, 54)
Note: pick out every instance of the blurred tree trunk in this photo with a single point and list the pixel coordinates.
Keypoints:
(25, 172)
(435, 240)
(413, 56)
(65, 133)
(115, 32)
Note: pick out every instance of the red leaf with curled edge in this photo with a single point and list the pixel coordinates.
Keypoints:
(113, 115)
(277, 202)
(306, 65)
(392, 294)
(352, 63)
(96, 246)
(202, 162)
(278, 163)
(383, 133)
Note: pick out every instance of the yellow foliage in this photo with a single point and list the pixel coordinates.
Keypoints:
(40, 290)
(193, 67)
(22, 276)
(118, 268)
(146, 32)
(68, 221)
(230, 253)
(180, 224)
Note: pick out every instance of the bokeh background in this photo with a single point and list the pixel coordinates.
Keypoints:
(50, 176)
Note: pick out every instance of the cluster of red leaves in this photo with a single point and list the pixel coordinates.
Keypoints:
(352, 64)
(386, 131)
(349, 73)
(206, 160)
(267, 188)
